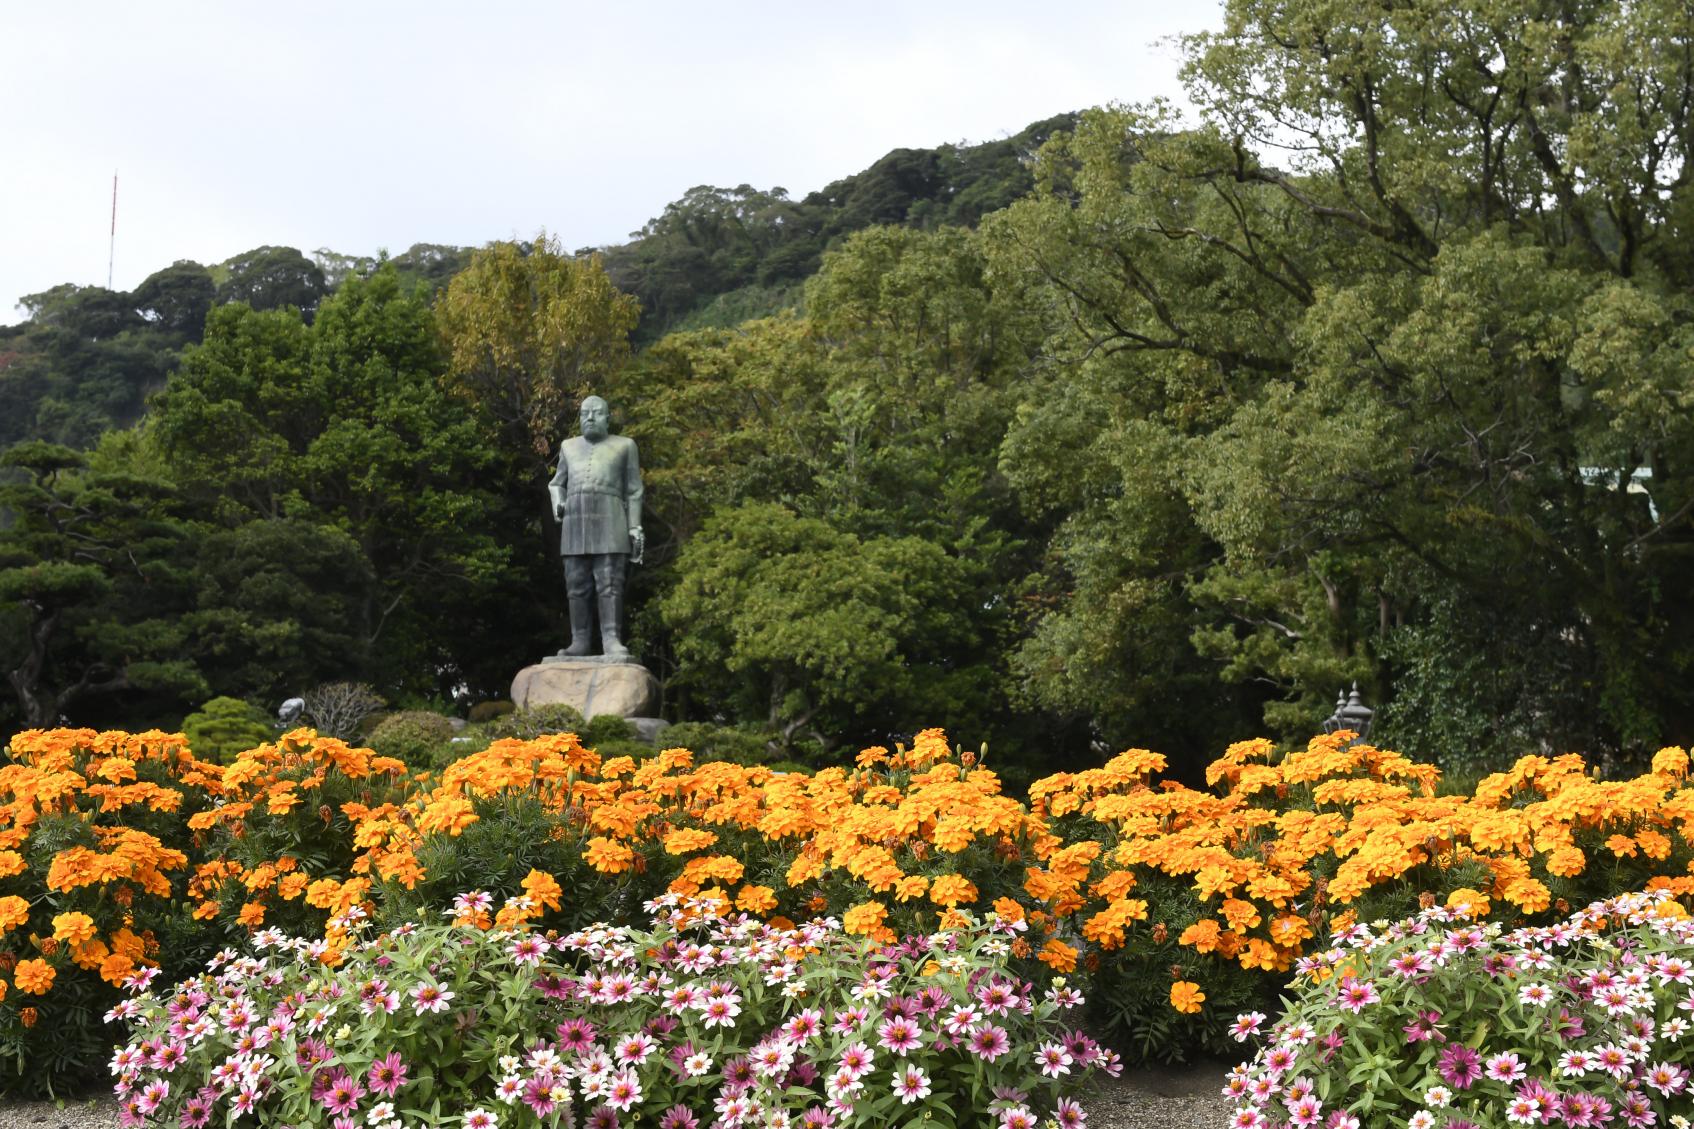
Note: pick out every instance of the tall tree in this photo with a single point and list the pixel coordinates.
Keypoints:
(1386, 337)
(91, 583)
(275, 428)
(529, 331)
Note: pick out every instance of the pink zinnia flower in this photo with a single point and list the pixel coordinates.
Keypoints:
(387, 1075)
(856, 1061)
(989, 1042)
(1505, 1068)
(912, 1085)
(1053, 1059)
(1459, 1066)
(899, 1035)
(430, 997)
(678, 1117)
(343, 1094)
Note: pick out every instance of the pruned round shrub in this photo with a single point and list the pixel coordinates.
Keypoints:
(710, 742)
(484, 712)
(224, 727)
(418, 737)
(537, 720)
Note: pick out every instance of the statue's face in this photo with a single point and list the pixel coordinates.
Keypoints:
(596, 418)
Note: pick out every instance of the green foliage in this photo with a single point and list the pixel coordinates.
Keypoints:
(272, 278)
(92, 574)
(709, 742)
(223, 727)
(1329, 420)
(488, 711)
(529, 331)
(818, 623)
(720, 256)
(533, 721)
(417, 737)
(340, 489)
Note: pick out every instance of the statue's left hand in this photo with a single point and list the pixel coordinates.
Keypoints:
(637, 545)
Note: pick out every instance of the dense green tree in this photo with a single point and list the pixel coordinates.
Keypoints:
(529, 331)
(270, 278)
(177, 299)
(1333, 413)
(816, 632)
(346, 485)
(91, 566)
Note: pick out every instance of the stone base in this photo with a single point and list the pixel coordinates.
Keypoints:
(591, 685)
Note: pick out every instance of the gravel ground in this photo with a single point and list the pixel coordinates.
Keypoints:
(1181, 1097)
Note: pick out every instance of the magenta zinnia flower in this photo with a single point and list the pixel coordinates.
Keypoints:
(343, 1095)
(678, 1117)
(196, 1111)
(387, 1075)
(1459, 1066)
(576, 1034)
(989, 1042)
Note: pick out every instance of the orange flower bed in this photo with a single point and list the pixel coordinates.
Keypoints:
(1102, 865)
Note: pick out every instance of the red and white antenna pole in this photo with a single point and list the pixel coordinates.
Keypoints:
(112, 247)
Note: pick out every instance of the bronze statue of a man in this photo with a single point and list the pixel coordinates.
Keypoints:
(597, 498)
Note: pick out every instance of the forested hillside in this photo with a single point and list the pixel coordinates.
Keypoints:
(1126, 430)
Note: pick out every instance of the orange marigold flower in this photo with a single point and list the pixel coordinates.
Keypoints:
(28, 1015)
(755, 899)
(10, 863)
(543, 888)
(1653, 844)
(1008, 909)
(1187, 997)
(34, 976)
(1671, 761)
(1241, 914)
(687, 839)
(1532, 895)
(1566, 862)
(1289, 930)
(608, 856)
(952, 889)
(1202, 935)
(1258, 955)
(1468, 903)
(1057, 955)
(911, 886)
(865, 918)
(322, 893)
(252, 914)
(1621, 845)
(14, 911)
(73, 928)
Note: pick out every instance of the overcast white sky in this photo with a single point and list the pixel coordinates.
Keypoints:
(359, 126)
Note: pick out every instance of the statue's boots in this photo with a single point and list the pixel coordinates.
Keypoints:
(582, 610)
(611, 626)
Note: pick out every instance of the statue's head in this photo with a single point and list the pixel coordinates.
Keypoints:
(596, 418)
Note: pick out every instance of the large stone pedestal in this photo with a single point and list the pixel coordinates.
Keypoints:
(592, 685)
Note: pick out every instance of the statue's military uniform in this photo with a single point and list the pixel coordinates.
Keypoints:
(595, 493)
(596, 484)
